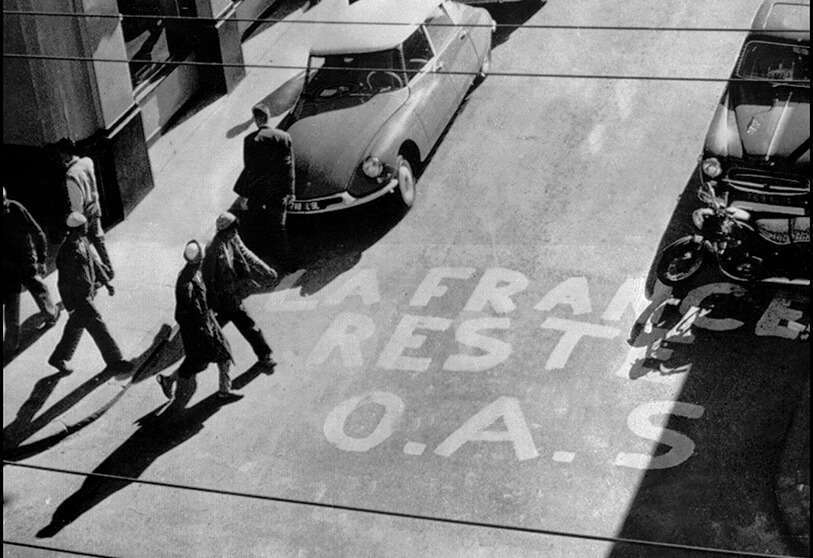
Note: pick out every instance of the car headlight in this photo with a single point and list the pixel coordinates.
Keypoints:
(711, 167)
(372, 167)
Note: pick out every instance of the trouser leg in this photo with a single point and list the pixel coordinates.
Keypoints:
(39, 291)
(101, 335)
(74, 328)
(11, 318)
(96, 238)
(224, 380)
(246, 326)
(277, 219)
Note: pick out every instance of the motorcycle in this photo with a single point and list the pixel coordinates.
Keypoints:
(747, 250)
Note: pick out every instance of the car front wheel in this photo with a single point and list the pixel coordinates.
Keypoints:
(406, 183)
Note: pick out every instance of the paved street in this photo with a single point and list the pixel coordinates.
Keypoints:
(475, 359)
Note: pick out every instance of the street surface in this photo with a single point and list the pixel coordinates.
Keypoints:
(477, 358)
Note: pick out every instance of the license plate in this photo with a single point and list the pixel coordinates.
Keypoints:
(294, 205)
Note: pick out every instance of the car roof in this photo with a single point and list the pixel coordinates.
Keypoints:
(783, 19)
(363, 31)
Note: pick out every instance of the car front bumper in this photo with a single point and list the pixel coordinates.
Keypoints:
(337, 202)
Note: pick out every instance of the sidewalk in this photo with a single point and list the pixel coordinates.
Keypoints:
(195, 165)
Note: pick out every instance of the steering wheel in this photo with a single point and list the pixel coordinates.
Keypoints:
(393, 78)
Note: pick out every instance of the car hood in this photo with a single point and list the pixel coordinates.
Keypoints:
(330, 145)
(765, 122)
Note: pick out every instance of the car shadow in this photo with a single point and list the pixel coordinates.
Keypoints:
(27, 423)
(740, 365)
(510, 17)
(160, 431)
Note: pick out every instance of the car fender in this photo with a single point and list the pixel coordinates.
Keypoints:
(404, 125)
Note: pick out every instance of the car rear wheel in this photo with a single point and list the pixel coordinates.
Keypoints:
(406, 183)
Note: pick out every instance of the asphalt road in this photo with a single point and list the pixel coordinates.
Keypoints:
(476, 359)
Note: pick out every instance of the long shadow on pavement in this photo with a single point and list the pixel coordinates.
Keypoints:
(742, 368)
(26, 423)
(161, 430)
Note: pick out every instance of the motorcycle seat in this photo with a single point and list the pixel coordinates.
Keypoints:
(783, 230)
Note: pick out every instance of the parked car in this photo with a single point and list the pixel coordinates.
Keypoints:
(757, 150)
(377, 98)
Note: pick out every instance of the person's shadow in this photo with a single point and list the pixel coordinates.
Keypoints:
(27, 423)
(34, 327)
(161, 430)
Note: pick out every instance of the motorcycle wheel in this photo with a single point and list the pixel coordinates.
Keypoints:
(680, 260)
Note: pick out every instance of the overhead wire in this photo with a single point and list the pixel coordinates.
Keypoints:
(554, 75)
(56, 549)
(400, 515)
(306, 21)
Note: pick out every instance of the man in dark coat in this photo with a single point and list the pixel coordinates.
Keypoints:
(231, 272)
(24, 253)
(80, 275)
(203, 340)
(267, 181)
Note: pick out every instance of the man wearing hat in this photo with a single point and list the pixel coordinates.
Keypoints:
(267, 181)
(24, 253)
(83, 195)
(203, 340)
(231, 272)
(80, 274)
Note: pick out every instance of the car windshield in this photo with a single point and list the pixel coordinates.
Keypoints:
(339, 81)
(774, 62)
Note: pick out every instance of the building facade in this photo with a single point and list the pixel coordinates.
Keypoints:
(112, 109)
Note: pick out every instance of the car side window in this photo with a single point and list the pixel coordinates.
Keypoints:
(440, 27)
(417, 52)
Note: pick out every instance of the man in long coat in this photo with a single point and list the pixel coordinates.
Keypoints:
(267, 181)
(24, 253)
(80, 275)
(231, 272)
(203, 340)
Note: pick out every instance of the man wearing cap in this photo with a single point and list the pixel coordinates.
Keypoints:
(267, 180)
(83, 195)
(80, 274)
(24, 253)
(203, 340)
(231, 272)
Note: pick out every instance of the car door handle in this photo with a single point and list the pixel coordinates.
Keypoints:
(463, 35)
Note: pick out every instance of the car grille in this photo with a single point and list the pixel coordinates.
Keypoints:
(761, 181)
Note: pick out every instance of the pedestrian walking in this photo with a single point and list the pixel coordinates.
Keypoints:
(80, 275)
(267, 182)
(231, 272)
(83, 196)
(24, 255)
(203, 339)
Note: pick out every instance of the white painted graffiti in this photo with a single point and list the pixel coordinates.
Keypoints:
(480, 429)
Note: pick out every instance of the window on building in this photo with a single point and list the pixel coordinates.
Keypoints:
(154, 41)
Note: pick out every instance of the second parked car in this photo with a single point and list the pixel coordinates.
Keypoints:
(757, 149)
